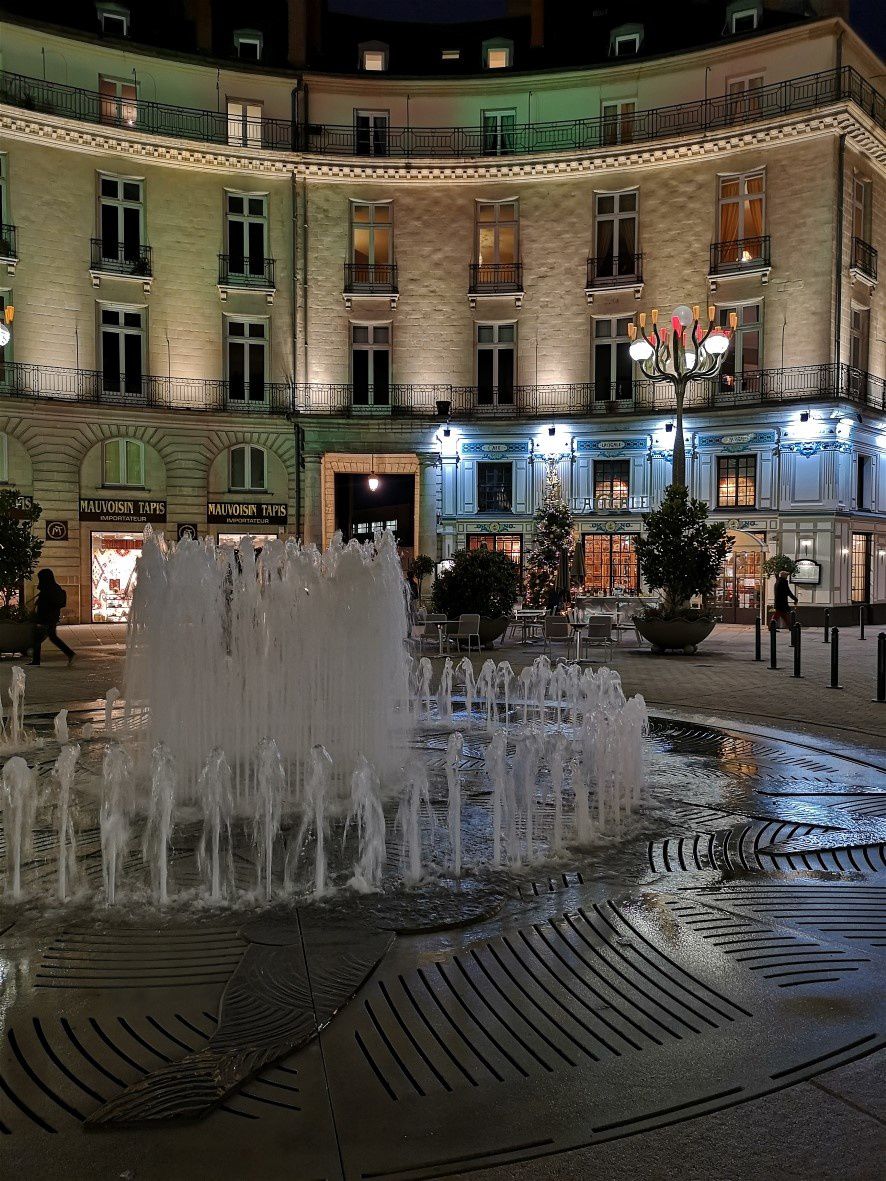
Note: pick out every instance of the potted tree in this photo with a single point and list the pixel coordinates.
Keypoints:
(19, 554)
(420, 566)
(479, 582)
(680, 555)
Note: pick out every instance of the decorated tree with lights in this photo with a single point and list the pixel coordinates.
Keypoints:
(552, 543)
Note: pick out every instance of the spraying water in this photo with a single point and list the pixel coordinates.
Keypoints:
(19, 811)
(158, 831)
(60, 727)
(267, 811)
(215, 855)
(367, 812)
(17, 704)
(453, 761)
(110, 700)
(114, 814)
(65, 766)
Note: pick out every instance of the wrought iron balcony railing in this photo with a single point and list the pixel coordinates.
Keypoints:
(740, 254)
(827, 383)
(698, 116)
(495, 278)
(864, 258)
(370, 278)
(239, 270)
(120, 258)
(8, 247)
(612, 270)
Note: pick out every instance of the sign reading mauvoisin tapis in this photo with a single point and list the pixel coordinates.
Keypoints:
(235, 512)
(124, 508)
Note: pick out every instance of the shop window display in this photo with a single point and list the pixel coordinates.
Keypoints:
(114, 559)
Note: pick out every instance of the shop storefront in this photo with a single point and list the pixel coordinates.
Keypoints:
(114, 550)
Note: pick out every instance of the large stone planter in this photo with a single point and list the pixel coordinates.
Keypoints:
(16, 637)
(668, 635)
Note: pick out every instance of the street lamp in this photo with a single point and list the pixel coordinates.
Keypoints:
(678, 355)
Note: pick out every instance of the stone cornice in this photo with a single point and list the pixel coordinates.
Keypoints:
(842, 118)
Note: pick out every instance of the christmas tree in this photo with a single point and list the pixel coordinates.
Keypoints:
(552, 544)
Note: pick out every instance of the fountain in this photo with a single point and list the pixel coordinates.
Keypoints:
(367, 813)
(65, 766)
(158, 830)
(453, 758)
(114, 815)
(19, 809)
(215, 851)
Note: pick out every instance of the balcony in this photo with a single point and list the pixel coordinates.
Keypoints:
(246, 273)
(495, 279)
(741, 256)
(370, 281)
(615, 273)
(120, 260)
(8, 248)
(863, 264)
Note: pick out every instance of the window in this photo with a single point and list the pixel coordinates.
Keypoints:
(249, 44)
(618, 121)
(859, 338)
(743, 18)
(247, 232)
(373, 56)
(736, 481)
(4, 460)
(743, 362)
(450, 55)
(113, 19)
(616, 234)
(612, 482)
(120, 218)
(498, 132)
(122, 349)
(371, 364)
(372, 244)
(371, 133)
(625, 41)
(741, 217)
(247, 468)
(863, 498)
(244, 123)
(117, 101)
(496, 364)
(742, 96)
(497, 243)
(499, 543)
(611, 564)
(123, 463)
(613, 369)
(495, 482)
(860, 574)
(861, 209)
(6, 351)
(5, 214)
(498, 54)
(247, 359)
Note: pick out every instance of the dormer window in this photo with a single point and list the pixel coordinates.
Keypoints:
(113, 19)
(249, 44)
(625, 41)
(498, 54)
(743, 16)
(373, 57)
(450, 55)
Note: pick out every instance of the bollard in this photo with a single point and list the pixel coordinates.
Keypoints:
(758, 639)
(798, 636)
(827, 625)
(835, 659)
(861, 611)
(881, 666)
(773, 645)
(793, 625)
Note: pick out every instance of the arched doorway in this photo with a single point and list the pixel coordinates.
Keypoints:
(739, 595)
(350, 504)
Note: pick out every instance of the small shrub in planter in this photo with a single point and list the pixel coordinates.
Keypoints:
(774, 565)
(479, 582)
(19, 550)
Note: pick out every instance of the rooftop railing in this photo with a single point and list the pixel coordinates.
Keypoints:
(696, 116)
(578, 399)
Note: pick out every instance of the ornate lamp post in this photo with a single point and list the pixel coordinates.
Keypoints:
(678, 355)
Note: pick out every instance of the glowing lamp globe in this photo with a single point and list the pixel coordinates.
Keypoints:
(683, 314)
(717, 343)
(373, 483)
(689, 359)
(640, 349)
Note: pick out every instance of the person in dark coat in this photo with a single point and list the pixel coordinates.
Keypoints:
(51, 598)
(783, 593)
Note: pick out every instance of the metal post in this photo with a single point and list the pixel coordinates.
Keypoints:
(793, 625)
(835, 659)
(798, 635)
(773, 645)
(881, 666)
(758, 639)
(861, 611)
(827, 625)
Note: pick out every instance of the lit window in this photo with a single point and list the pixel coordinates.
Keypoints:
(612, 483)
(113, 19)
(123, 463)
(374, 57)
(117, 101)
(743, 16)
(736, 481)
(450, 55)
(625, 41)
(494, 487)
(247, 468)
(249, 44)
(498, 55)
(244, 123)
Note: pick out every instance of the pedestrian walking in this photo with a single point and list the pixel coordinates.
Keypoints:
(783, 593)
(51, 598)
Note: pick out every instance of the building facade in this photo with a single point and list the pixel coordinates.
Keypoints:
(241, 292)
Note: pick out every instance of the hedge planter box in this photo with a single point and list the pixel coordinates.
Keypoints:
(16, 637)
(670, 635)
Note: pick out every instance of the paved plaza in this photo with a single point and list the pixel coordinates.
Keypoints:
(704, 998)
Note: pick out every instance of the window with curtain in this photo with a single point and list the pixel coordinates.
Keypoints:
(616, 234)
(498, 132)
(742, 217)
(736, 481)
(743, 363)
(612, 482)
(613, 368)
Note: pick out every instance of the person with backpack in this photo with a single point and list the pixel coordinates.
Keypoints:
(51, 598)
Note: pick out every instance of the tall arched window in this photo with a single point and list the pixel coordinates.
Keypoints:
(123, 463)
(247, 468)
